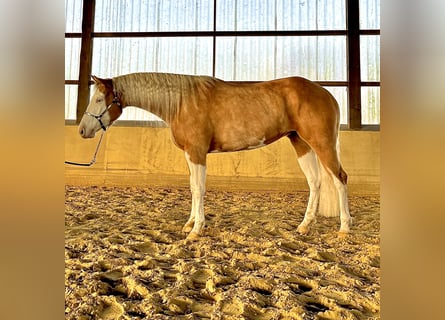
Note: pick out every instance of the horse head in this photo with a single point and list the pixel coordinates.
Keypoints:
(104, 108)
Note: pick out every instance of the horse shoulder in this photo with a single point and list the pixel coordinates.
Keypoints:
(192, 129)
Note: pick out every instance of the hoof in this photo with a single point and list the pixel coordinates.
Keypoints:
(345, 227)
(343, 234)
(193, 236)
(302, 230)
(187, 228)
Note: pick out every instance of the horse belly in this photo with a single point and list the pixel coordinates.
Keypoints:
(240, 136)
(237, 145)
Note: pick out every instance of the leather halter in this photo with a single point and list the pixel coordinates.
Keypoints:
(99, 117)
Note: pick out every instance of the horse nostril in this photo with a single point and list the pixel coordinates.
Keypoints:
(82, 131)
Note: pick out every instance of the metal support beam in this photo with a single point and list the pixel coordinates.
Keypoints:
(86, 55)
(353, 51)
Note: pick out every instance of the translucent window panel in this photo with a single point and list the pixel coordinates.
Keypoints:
(117, 56)
(370, 105)
(265, 58)
(245, 58)
(370, 58)
(341, 95)
(72, 58)
(237, 15)
(153, 15)
(73, 15)
(369, 14)
(70, 102)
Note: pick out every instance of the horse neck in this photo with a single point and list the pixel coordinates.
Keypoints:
(160, 94)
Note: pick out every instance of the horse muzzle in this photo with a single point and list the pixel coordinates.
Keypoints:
(86, 133)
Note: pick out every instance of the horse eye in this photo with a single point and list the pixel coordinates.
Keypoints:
(98, 100)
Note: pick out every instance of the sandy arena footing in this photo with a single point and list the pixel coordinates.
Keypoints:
(126, 257)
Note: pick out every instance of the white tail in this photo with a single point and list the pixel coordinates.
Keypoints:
(329, 205)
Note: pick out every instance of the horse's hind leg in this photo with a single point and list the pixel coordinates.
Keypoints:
(328, 155)
(308, 163)
(345, 217)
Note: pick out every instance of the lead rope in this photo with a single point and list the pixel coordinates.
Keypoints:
(94, 156)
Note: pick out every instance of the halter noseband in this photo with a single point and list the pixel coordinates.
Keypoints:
(99, 117)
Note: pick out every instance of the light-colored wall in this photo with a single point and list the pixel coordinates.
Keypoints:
(147, 156)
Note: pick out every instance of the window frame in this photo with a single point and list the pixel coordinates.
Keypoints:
(352, 33)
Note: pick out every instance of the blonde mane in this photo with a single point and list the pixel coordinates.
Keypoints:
(162, 94)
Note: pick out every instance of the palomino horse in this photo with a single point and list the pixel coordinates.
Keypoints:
(206, 114)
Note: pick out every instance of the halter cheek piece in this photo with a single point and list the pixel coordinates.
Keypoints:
(99, 117)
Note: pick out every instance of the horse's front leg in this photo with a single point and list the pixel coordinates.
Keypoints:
(195, 224)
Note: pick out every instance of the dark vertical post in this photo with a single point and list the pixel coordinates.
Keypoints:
(353, 51)
(214, 40)
(86, 55)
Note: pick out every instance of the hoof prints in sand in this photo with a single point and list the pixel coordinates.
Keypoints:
(126, 257)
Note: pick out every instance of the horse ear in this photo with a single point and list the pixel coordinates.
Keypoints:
(96, 79)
